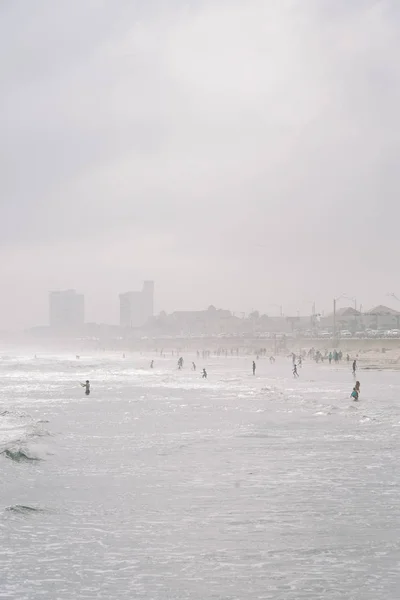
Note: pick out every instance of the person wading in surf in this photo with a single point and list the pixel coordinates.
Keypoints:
(356, 391)
(86, 385)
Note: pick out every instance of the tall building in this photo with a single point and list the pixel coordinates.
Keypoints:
(136, 308)
(67, 309)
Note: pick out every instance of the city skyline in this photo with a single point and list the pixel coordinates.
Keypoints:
(137, 306)
(257, 164)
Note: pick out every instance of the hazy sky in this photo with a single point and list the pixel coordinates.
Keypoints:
(240, 153)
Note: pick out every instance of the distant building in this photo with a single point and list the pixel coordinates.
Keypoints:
(382, 317)
(347, 312)
(378, 318)
(136, 308)
(204, 322)
(67, 309)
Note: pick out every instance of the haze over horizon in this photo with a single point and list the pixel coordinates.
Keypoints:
(238, 154)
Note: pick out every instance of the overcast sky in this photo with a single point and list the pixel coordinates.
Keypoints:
(240, 153)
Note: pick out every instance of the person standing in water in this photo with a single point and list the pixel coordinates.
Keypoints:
(152, 364)
(193, 366)
(356, 391)
(254, 368)
(86, 385)
(354, 367)
(295, 373)
(204, 376)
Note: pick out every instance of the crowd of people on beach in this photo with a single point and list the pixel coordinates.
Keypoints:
(297, 362)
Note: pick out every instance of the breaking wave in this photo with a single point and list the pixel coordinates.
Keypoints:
(20, 435)
(20, 455)
(23, 509)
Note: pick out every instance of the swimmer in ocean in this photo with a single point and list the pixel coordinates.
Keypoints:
(254, 368)
(204, 376)
(86, 385)
(354, 367)
(295, 373)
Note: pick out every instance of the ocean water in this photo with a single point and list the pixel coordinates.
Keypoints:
(164, 486)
